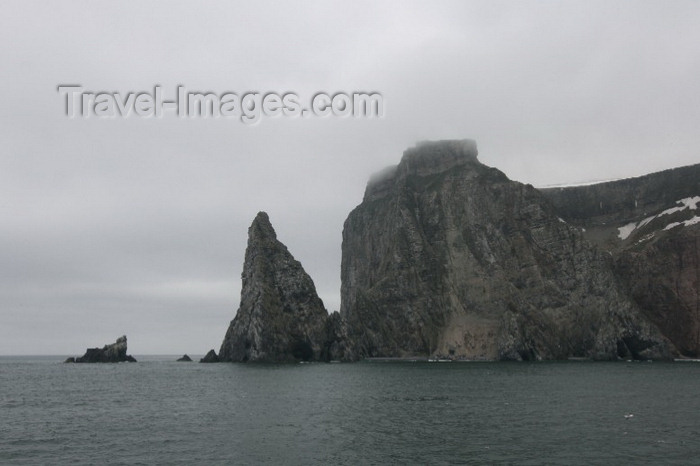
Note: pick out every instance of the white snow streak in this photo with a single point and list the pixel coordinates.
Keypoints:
(687, 223)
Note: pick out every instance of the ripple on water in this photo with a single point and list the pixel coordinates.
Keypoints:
(158, 412)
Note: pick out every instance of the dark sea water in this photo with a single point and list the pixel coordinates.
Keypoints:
(158, 411)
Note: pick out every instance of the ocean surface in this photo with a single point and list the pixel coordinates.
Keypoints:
(159, 411)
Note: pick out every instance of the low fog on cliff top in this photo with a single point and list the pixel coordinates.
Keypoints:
(138, 226)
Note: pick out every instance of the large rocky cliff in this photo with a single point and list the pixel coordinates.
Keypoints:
(448, 257)
(280, 318)
(651, 227)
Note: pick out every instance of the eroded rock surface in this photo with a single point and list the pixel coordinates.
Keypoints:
(280, 318)
(448, 257)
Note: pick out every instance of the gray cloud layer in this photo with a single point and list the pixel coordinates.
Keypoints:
(139, 226)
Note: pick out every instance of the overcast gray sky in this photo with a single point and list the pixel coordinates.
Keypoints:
(138, 226)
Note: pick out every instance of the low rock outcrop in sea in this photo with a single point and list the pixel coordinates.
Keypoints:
(115, 352)
(184, 358)
(211, 356)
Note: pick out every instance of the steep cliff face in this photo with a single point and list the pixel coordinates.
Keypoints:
(280, 318)
(651, 227)
(663, 277)
(448, 257)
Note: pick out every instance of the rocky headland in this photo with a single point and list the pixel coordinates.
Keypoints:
(446, 257)
(115, 352)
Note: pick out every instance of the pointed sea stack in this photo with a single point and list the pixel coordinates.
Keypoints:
(280, 318)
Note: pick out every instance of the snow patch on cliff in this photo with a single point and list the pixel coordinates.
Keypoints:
(690, 203)
(693, 221)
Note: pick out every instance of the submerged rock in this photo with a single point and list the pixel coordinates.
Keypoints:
(210, 357)
(280, 318)
(184, 358)
(116, 352)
